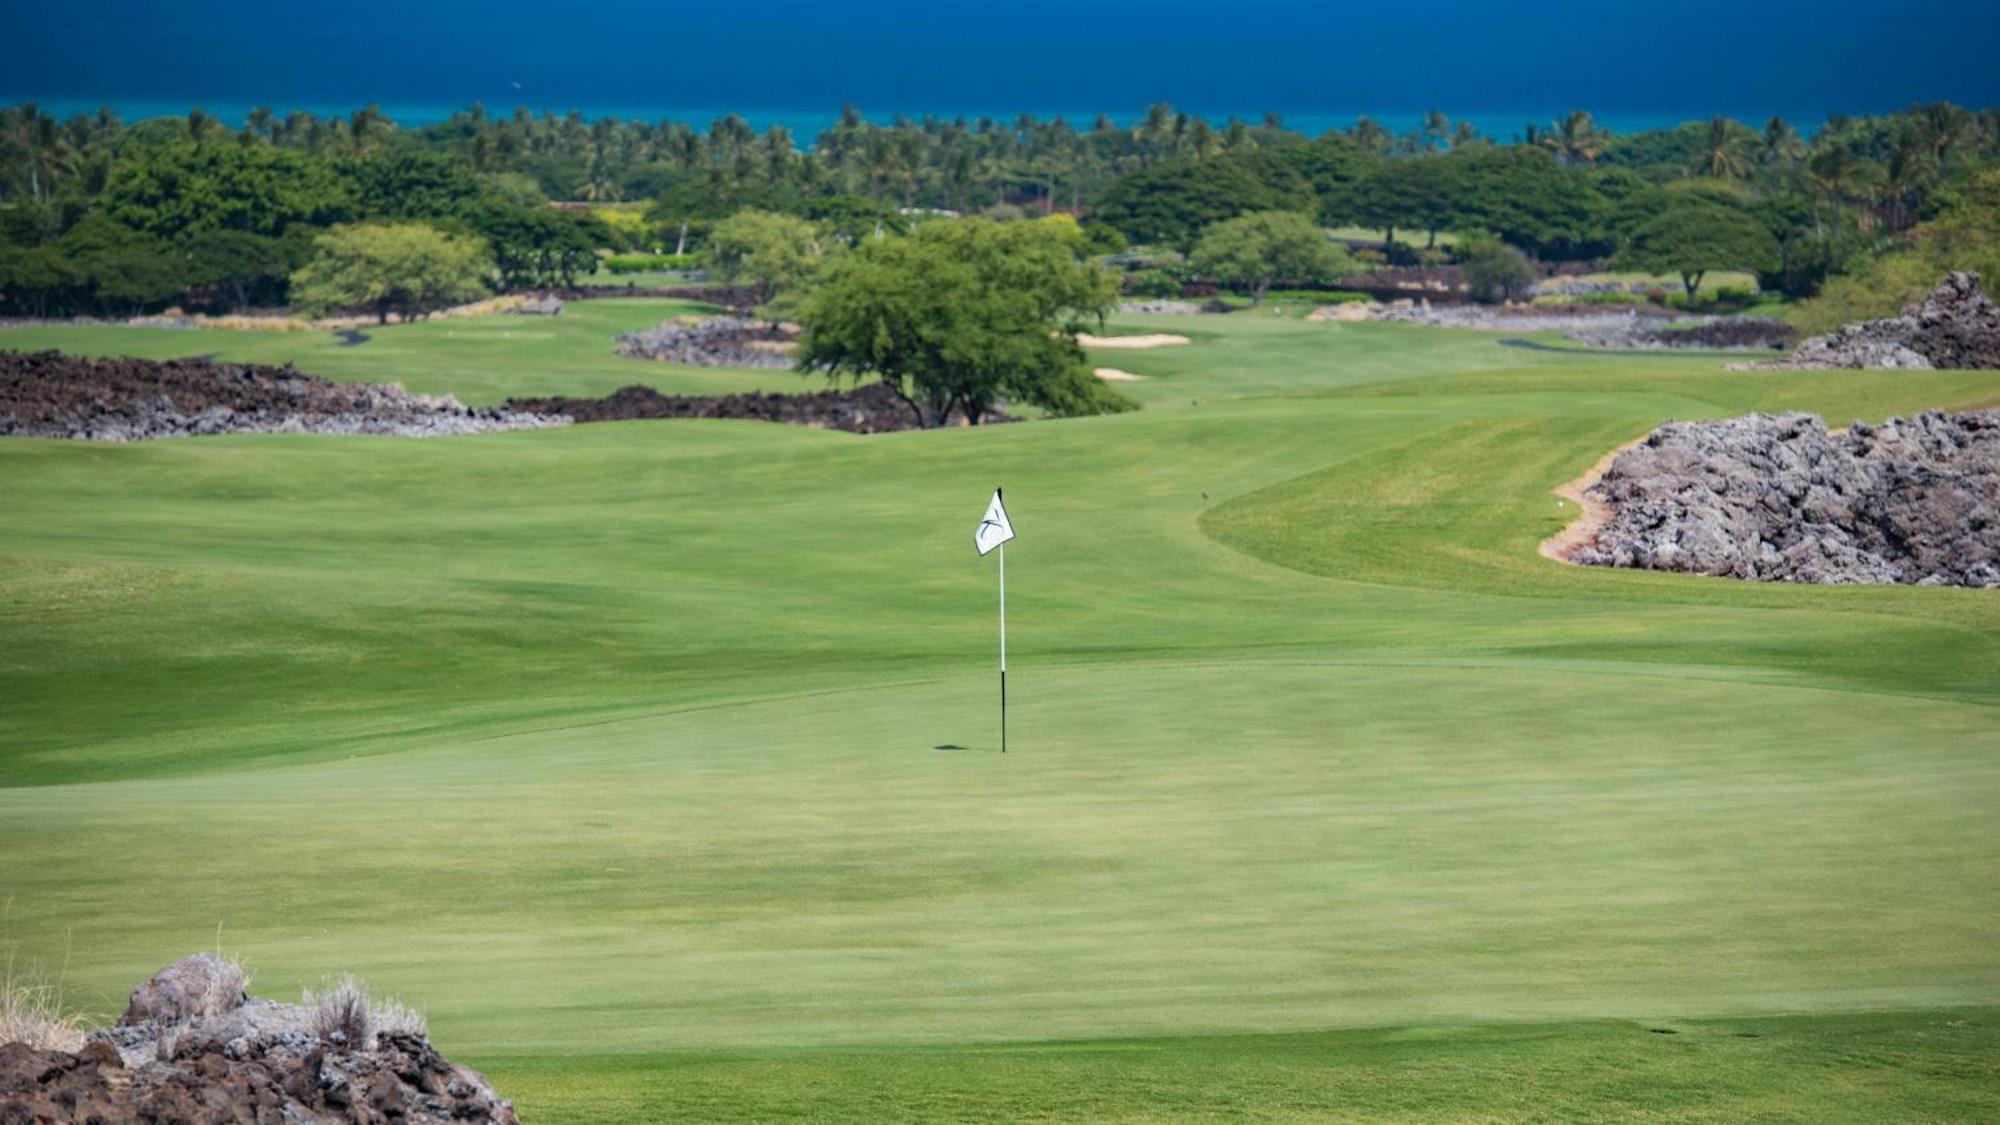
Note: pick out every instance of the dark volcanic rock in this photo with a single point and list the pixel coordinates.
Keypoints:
(869, 409)
(1779, 498)
(49, 394)
(193, 987)
(1957, 326)
(714, 341)
(259, 1062)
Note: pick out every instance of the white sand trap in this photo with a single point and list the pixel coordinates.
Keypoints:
(1113, 375)
(1150, 340)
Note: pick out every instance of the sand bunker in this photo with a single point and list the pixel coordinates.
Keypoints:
(1149, 340)
(1113, 375)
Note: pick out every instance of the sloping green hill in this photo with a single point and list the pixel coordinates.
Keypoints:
(608, 744)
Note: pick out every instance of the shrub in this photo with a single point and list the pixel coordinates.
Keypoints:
(1495, 271)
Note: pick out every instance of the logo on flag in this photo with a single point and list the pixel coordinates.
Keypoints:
(995, 529)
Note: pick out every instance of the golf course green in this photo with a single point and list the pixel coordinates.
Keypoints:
(657, 761)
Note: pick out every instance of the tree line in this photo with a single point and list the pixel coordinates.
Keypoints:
(100, 216)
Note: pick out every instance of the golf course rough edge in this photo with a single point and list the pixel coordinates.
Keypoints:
(192, 1046)
(1782, 498)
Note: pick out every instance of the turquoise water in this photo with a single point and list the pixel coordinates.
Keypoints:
(805, 123)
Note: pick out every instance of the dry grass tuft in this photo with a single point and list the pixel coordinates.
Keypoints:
(32, 1013)
(344, 1006)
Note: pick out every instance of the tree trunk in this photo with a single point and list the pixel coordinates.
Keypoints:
(382, 313)
(1693, 282)
(681, 246)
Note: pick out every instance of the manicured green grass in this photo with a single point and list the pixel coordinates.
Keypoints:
(481, 360)
(1928, 1066)
(622, 751)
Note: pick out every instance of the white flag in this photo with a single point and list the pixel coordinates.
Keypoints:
(995, 529)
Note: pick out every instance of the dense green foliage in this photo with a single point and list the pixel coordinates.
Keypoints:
(773, 254)
(1833, 202)
(1258, 249)
(408, 269)
(1692, 236)
(957, 316)
(1495, 271)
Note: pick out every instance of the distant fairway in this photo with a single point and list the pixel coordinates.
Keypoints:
(614, 748)
(480, 359)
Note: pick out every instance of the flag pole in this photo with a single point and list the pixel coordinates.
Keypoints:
(1003, 648)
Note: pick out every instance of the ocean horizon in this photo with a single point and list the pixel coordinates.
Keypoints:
(805, 123)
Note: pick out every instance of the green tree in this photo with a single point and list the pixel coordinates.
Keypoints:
(957, 316)
(181, 189)
(1495, 271)
(535, 247)
(1692, 236)
(1173, 203)
(240, 265)
(775, 255)
(407, 268)
(1257, 249)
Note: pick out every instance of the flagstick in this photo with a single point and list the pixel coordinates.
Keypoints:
(1003, 648)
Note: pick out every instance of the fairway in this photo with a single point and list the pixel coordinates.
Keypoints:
(619, 749)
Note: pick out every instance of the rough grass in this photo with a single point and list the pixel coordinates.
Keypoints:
(32, 1012)
(344, 1007)
(1306, 737)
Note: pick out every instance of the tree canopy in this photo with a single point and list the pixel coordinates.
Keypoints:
(775, 255)
(957, 316)
(1257, 249)
(1692, 236)
(407, 268)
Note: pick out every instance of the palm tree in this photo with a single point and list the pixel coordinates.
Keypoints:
(1369, 134)
(1436, 130)
(1780, 146)
(1722, 151)
(1909, 169)
(1576, 138)
(1837, 176)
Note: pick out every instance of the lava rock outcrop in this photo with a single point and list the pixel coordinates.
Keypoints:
(1780, 498)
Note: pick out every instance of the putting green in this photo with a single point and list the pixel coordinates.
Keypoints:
(620, 742)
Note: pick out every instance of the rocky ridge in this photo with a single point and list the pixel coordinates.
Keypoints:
(50, 394)
(1781, 498)
(1956, 327)
(712, 341)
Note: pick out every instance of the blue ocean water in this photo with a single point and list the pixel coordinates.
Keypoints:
(797, 61)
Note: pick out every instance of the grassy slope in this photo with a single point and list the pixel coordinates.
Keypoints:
(618, 740)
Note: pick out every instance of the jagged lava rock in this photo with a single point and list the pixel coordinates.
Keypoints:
(1779, 498)
(1956, 327)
